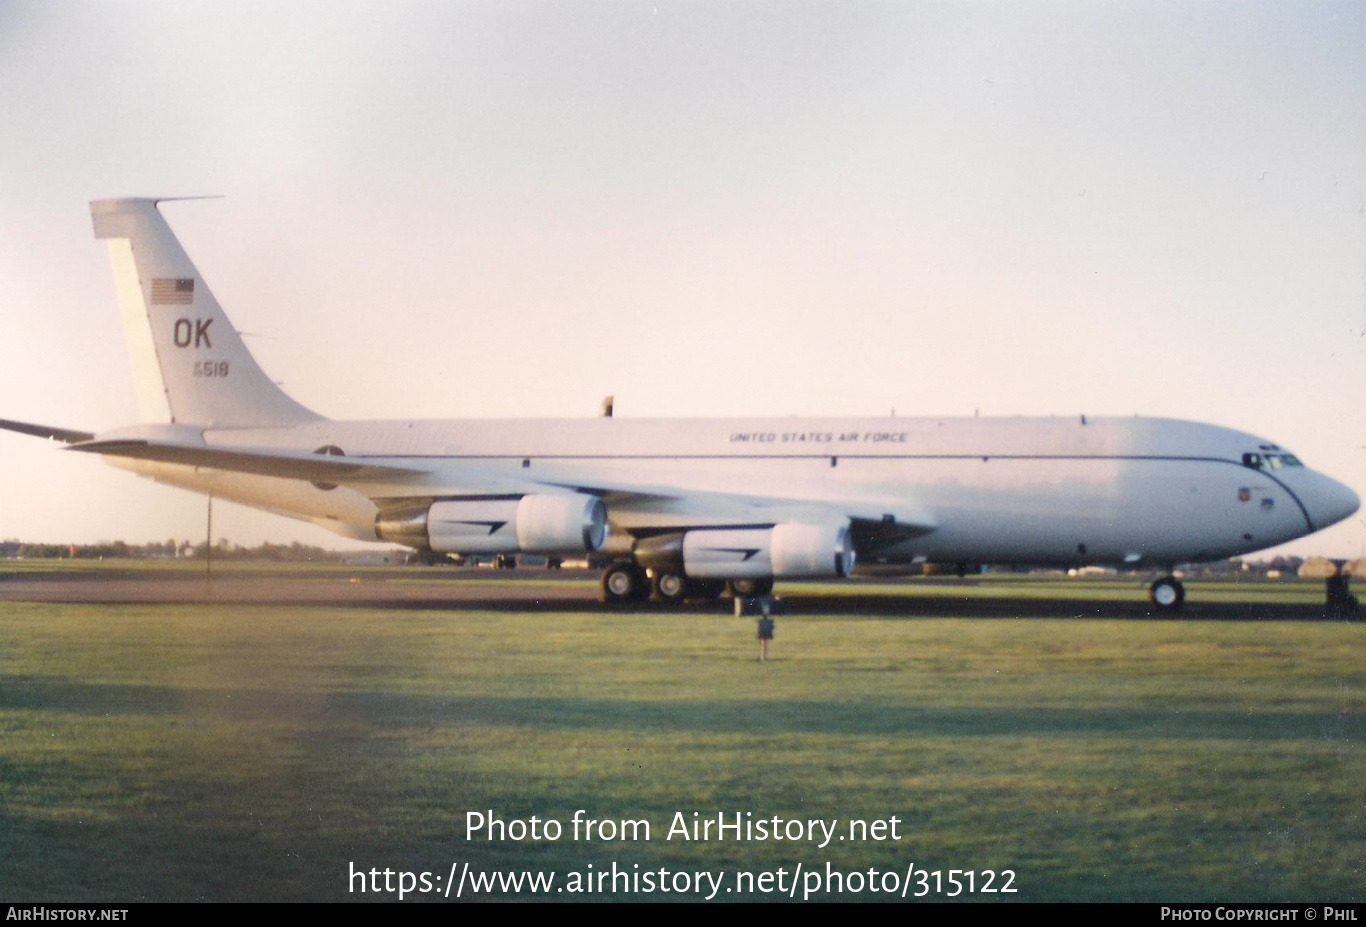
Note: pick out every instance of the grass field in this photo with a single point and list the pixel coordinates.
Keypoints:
(238, 752)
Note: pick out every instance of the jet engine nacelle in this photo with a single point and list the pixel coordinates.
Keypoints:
(535, 524)
(788, 550)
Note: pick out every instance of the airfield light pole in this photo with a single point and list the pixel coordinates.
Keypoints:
(208, 551)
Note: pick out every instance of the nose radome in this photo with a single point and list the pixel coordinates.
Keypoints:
(1329, 501)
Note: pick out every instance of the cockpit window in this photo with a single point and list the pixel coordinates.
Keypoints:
(1271, 461)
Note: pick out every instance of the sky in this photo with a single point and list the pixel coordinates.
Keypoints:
(513, 209)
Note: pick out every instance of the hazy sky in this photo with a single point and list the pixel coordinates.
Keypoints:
(512, 209)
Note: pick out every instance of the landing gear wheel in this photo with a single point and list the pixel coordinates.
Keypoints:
(670, 587)
(624, 582)
(745, 588)
(1167, 594)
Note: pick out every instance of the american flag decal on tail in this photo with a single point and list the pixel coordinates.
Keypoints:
(170, 291)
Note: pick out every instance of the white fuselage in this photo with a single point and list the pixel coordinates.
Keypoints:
(1123, 491)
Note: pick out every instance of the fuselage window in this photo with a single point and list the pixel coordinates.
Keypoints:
(1279, 461)
(1271, 461)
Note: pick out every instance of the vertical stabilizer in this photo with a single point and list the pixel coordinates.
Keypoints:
(189, 364)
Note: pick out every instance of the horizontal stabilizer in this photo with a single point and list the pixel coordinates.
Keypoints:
(286, 464)
(65, 435)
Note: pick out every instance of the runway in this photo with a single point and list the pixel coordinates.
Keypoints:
(531, 591)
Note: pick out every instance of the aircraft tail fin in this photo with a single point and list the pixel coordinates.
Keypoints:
(189, 364)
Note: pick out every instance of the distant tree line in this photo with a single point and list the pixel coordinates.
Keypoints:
(170, 549)
(1286, 566)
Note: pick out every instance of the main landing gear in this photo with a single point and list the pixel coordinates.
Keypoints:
(1167, 594)
(675, 587)
(750, 588)
(624, 583)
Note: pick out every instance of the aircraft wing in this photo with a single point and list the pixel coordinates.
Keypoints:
(877, 521)
(641, 508)
(263, 462)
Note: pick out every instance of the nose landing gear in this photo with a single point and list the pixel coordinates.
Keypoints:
(1167, 594)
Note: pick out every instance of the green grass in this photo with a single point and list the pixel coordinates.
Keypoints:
(243, 753)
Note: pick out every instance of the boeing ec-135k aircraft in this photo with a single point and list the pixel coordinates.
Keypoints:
(682, 508)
